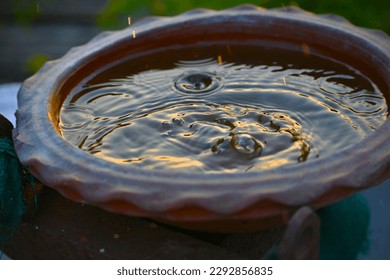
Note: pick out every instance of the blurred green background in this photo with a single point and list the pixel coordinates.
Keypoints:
(373, 14)
(35, 31)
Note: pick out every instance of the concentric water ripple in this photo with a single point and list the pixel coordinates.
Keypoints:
(245, 109)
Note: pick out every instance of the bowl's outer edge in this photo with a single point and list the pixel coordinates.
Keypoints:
(190, 197)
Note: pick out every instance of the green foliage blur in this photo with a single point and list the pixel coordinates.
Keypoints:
(371, 14)
(26, 11)
(35, 62)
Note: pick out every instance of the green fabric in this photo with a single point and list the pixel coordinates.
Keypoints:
(13, 177)
(345, 229)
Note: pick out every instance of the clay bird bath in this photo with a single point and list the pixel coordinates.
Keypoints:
(227, 197)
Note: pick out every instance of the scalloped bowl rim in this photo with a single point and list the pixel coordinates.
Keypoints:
(153, 193)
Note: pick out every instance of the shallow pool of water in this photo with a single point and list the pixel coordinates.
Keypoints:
(221, 108)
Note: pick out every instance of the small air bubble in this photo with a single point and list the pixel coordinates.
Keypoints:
(178, 121)
(245, 143)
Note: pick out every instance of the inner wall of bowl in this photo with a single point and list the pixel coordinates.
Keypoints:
(342, 46)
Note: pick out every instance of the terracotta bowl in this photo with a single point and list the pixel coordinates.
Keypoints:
(212, 202)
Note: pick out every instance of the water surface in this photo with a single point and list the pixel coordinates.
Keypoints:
(222, 108)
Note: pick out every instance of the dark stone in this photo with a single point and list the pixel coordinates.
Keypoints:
(5, 127)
